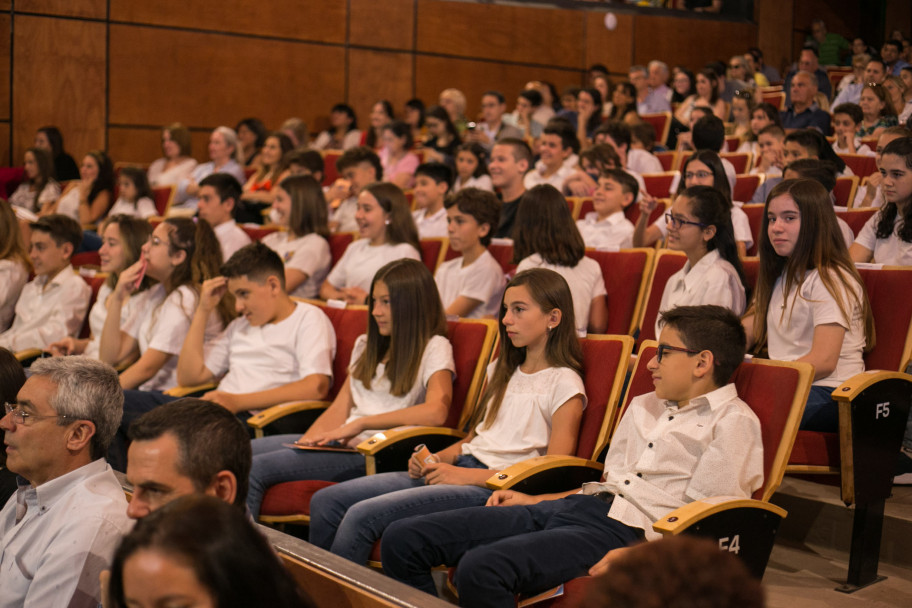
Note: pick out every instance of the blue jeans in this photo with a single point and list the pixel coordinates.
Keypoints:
(273, 463)
(503, 551)
(348, 518)
(821, 412)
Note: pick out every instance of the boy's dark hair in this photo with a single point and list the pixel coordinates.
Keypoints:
(256, 261)
(883, 65)
(226, 186)
(818, 170)
(439, 172)
(140, 181)
(533, 97)
(812, 48)
(209, 439)
(713, 328)
(497, 94)
(852, 110)
(563, 129)
(645, 133)
(807, 139)
(629, 184)
(521, 150)
(482, 205)
(356, 156)
(62, 228)
(571, 90)
(709, 133)
(309, 159)
(616, 130)
(774, 130)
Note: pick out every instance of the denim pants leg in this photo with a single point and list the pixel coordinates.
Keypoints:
(273, 463)
(821, 412)
(504, 550)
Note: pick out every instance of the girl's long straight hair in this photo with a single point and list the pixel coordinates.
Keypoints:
(545, 226)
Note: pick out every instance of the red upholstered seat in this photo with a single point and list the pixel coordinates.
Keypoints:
(330, 174)
(503, 253)
(741, 161)
(815, 448)
(625, 273)
(163, 197)
(659, 184)
(861, 165)
(754, 213)
(667, 263)
(291, 497)
(856, 218)
(745, 186)
(338, 243)
(256, 233)
(432, 252)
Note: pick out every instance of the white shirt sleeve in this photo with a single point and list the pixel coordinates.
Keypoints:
(173, 321)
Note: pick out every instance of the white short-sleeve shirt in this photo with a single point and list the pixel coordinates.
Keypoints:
(231, 237)
(642, 161)
(712, 280)
(261, 358)
(522, 428)
(791, 328)
(162, 323)
(361, 261)
(892, 250)
(99, 312)
(344, 215)
(612, 233)
(585, 281)
(433, 226)
(482, 280)
(309, 254)
(142, 209)
(482, 182)
(437, 355)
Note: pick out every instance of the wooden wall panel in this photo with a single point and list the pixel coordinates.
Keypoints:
(689, 42)
(5, 67)
(397, 17)
(475, 77)
(527, 34)
(143, 145)
(774, 27)
(316, 20)
(898, 17)
(612, 48)
(6, 5)
(68, 90)
(204, 80)
(5, 159)
(375, 75)
(91, 9)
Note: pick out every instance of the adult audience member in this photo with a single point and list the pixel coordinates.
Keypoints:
(808, 62)
(873, 71)
(493, 128)
(88, 199)
(343, 133)
(771, 73)
(251, 134)
(176, 164)
(224, 157)
(803, 112)
(454, 102)
(39, 187)
(891, 53)
(831, 47)
(49, 138)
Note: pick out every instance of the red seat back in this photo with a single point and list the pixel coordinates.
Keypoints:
(892, 316)
(860, 164)
(587, 205)
(338, 243)
(740, 160)
(667, 159)
(661, 122)
(754, 213)
(623, 273)
(844, 189)
(667, 263)
(431, 250)
(348, 323)
(659, 184)
(745, 186)
(632, 212)
(751, 270)
(503, 253)
(330, 174)
(472, 342)
(86, 258)
(256, 233)
(856, 218)
(605, 361)
(640, 381)
(775, 98)
(162, 197)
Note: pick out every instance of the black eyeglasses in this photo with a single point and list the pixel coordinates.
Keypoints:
(677, 222)
(665, 348)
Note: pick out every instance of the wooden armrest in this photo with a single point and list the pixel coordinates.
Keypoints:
(385, 439)
(851, 388)
(572, 470)
(28, 353)
(183, 391)
(276, 412)
(684, 517)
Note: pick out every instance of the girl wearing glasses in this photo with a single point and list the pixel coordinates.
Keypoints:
(699, 224)
(809, 304)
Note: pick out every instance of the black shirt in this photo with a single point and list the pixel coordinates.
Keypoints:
(507, 219)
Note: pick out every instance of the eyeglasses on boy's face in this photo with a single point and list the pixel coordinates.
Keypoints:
(664, 349)
(678, 222)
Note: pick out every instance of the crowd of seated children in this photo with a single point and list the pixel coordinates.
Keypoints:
(607, 227)
(802, 144)
(50, 139)
(472, 168)
(386, 232)
(176, 163)
(533, 406)
(824, 172)
(53, 304)
(357, 168)
(224, 157)
(432, 182)
(343, 133)
(251, 133)
(180, 254)
(761, 116)
(809, 303)
(300, 207)
(471, 285)
(869, 194)
(14, 265)
(509, 161)
(401, 372)
(269, 169)
(557, 144)
(398, 162)
(122, 240)
(134, 196)
(877, 110)
(442, 138)
(87, 200)
(886, 238)
(219, 198)
(381, 114)
(699, 225)
(39, 188)
(526, 544)
(546, 236)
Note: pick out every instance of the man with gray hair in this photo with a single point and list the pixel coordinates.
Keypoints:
(659, 97)
(803, 112)
(61, 528)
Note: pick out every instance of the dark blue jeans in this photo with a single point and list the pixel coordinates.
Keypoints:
(821, 412)
(503, 551)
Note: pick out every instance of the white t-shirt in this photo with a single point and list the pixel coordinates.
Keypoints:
(231, 237)
(740, 224)
(361, 261)
(482, 280)
(536, 176)
(585, 281)
(162, 323)
(261, 358)
(143, 208)
(892, 250)
(433, 226)
(309, 254)
(642, 161)
(13, 276)
(712, 280)
(482, 182)
(68, 204)
(791, 334)
(99, 312)
(612, 233)
(522, 428)
(159, 176)
(862, 149)
(437, 355)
